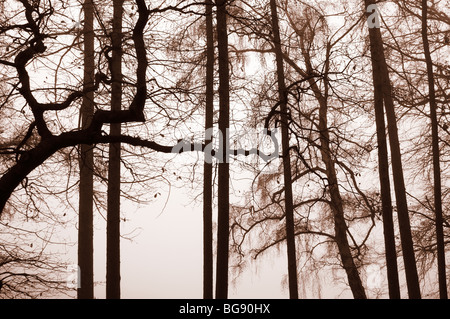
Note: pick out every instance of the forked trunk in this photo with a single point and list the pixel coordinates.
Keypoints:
(385, 187)
(380, 65)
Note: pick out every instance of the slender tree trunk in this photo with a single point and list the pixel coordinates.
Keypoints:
(385, 187)
(340, 225)
(289, 202)
(378, 58)
(113, 202)
(207, 175)
(436, 158)
(85, 229)
(223, 220)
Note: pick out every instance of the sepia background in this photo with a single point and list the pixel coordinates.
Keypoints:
(96, 95)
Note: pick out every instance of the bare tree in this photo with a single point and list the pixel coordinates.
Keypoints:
(86, 199)
(27, 271)
(113, 208)
(208, 282)
(112, 119)
(436, 157)
(385, 188)
(378, 58)
(223, 219)
(306, 34)
(288, 197)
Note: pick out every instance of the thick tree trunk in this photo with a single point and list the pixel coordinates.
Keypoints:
(385, 189)
(208, 172)
(288, 196)
(113, 201)
(223, 227)
(86, 198)
(378, 58)
(436, 158)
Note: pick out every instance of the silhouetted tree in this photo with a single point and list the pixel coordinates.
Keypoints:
(86, 198)
(385, 188)
(288, 197)
(113, 208)
(132, 78)
(436, 157)
(377, 52)
(27, 269)
(223, 219)
(208, 268)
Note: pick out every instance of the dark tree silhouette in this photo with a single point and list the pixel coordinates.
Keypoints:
(436, 157)
(287, 175)
(208, 255)
(113, 203)
(223, 219)
(377, 51)
(86, 200)
(385, 188)
(134, 85)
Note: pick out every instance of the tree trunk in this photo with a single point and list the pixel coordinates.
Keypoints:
(378, 58)
(113, 202)
(385, 187)
(223, 227)
(340, 225)
(86, 204)
(93, 133)
(436, 158)
(289, 205)
(207, 177)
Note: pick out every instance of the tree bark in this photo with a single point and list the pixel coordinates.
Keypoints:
(385, 190)
(223, 220)
(378, 58)
(49, 144)
(436, 158)
(385, 187)
(208, 171)
(289, 202)
(86, 199)
(113, 201)
(340, 225)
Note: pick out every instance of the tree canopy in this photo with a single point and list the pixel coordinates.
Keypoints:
(311, 128)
